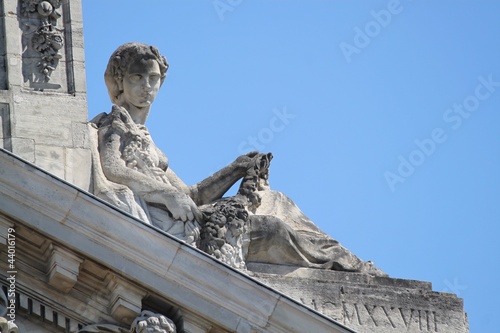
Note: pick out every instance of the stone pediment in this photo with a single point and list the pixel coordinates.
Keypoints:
(80, 261)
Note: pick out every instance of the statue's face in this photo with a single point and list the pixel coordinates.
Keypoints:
(141, 83)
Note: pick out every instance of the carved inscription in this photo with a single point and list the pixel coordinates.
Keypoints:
(379, 316)
(389, 316)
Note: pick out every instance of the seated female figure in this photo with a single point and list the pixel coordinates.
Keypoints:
(133, 174)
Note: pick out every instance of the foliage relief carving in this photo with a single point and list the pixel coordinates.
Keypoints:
(47, 40)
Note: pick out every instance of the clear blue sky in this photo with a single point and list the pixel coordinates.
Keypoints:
(382, 117)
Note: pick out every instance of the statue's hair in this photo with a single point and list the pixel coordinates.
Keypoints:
(121, 59)
(142, 322)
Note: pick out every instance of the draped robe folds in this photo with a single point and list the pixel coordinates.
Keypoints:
(276, 231)
(138, 152)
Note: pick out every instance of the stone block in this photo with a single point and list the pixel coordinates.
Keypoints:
(64, 267)
(3, 68)
(80, 85)
(253, 304)
(24, 148)
(77, 167)
(369, 304)
(5, 225)
(125, 301)
(50, 158)
(80, 133)
(5, 130)
(44, 128)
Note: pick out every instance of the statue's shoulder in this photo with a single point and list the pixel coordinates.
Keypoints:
(118, 120)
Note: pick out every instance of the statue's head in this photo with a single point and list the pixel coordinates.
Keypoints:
(149, 322)
(132, 57)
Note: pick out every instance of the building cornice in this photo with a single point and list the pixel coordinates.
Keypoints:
(143, 256)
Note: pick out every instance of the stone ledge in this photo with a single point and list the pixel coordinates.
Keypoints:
(336, 276)
(80, 222)
(368, 304)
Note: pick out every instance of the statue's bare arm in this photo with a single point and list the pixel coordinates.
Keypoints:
(213, 187)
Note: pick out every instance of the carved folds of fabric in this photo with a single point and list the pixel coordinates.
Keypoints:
(138, 150)
(116, 194)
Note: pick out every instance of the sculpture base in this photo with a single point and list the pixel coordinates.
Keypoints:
(365, 303)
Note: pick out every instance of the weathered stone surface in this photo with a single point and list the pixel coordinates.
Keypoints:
(146, 322)
(3, 71)
(133, 174)
(43, 107)
(366, 303)
(85, 262)
(64, 267)
(180, 281)
(4, 124)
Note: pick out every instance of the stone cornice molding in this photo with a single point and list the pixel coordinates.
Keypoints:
(64, 267)
(149, 258)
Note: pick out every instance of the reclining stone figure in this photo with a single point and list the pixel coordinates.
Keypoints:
(257, 225)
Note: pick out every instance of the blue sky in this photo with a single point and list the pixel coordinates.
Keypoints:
(382, 117)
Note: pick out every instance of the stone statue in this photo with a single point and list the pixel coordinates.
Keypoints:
(257, 225)
(147, 322)
(152, 322)
(8, 326)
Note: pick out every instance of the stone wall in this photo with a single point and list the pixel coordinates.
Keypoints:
(3, 71)
(368, 304)
(43, 105)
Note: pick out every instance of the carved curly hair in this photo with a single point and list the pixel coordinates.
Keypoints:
(148, 319)
(121, 59)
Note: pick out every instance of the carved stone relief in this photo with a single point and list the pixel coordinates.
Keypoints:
(226, 222)
(7, 326)
(43, 38)
(146, 322)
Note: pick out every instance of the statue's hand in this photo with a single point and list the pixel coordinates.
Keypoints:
(246, 161)
(250, 160)
(182, 207)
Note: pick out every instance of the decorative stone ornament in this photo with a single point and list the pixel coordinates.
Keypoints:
(227, 220)
(131, 173)
(7, 326)
(146, 322)
(47, 40)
